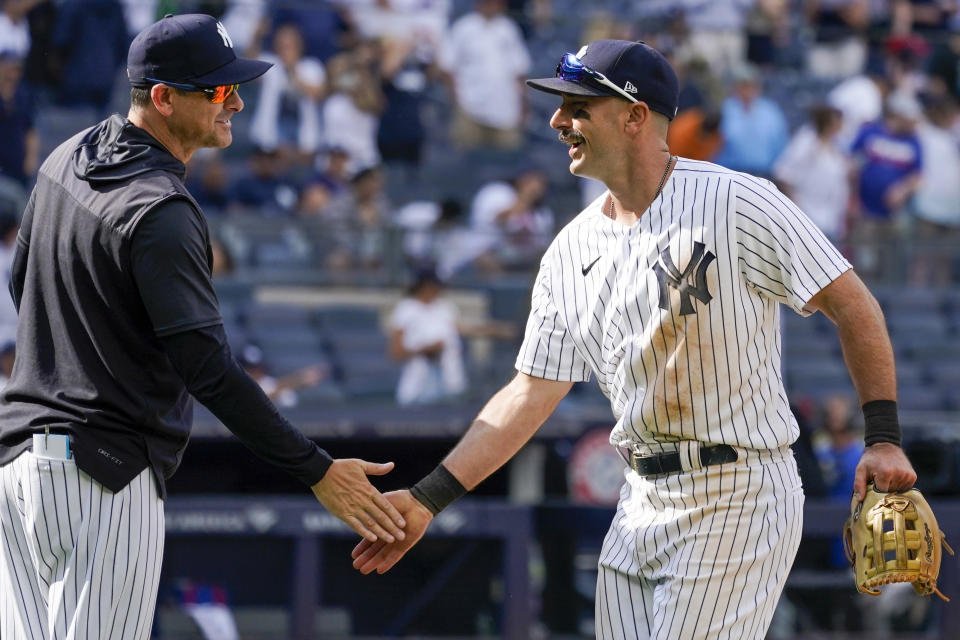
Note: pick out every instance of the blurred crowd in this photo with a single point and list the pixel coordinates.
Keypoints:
(342, 103)
(866, 141)
(850, 106)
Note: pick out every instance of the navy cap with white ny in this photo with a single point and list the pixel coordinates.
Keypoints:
(189, 51)
(634, 71)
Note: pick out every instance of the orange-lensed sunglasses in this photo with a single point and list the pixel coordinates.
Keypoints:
(216, 95)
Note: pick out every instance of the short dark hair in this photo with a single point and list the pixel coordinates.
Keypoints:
(140, 97)
(822, 116)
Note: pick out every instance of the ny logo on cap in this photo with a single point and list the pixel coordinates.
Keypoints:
(227, 42)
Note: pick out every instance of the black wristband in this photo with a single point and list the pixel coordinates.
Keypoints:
(437, 489)
(881, 423)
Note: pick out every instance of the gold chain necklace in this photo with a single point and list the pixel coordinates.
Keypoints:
(663, 179)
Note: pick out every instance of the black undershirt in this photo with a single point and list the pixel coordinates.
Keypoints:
(213, 376)
(171, 265)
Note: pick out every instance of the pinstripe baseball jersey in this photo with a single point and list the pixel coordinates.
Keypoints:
(677, 316)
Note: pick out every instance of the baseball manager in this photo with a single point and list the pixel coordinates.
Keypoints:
(118, 327)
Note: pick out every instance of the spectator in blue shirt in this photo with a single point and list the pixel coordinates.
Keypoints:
(838, 450)
(888, 164)
(889, 157)
(754, 128)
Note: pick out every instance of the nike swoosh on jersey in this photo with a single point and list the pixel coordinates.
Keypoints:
(587, 268)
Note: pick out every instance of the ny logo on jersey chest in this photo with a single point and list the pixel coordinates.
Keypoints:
(668, 275)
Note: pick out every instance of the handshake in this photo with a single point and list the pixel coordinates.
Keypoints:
(390, 523)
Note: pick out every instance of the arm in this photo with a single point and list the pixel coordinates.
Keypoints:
(170, 263)
(487, 328)
(306, 377)
(900, 192)
(869, 357)
(395, 52)
(401, 353)
(501, 428)
(309, 79)
(210, 373)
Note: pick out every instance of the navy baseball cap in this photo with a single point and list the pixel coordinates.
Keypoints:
(635, 68)
(189, 49)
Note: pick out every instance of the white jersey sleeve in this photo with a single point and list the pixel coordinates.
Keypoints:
(548, 351)
(781, 253)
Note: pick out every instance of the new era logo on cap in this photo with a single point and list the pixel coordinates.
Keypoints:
(629, 87)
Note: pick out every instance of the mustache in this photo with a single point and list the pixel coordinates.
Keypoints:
(570, 136)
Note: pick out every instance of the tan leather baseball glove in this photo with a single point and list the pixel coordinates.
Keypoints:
(894, 537)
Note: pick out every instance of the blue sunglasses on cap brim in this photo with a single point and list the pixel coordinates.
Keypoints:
(572, 69)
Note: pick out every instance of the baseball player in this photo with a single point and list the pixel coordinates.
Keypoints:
(668, 288)
(119, 326)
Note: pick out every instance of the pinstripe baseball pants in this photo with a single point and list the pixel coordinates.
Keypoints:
(77, 562)
(702, 554)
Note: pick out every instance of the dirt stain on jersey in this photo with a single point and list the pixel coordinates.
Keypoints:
(678, 352)
(683, 350)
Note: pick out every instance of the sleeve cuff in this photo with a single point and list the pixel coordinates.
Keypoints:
(314, 469)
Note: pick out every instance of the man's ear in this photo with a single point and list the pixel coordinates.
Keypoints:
(162, 97)
(638, 116)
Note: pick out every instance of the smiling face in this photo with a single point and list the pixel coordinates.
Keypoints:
(196, 122)
(594, 130)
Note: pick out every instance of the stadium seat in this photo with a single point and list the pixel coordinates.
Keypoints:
(918, 300)
(369, 376)
(289, 338)
(279, 316)
(284, 361)
(909, 373)
(945, 374)
(349, 317)
(919, 398)
(347, 342)
(924, 348)
(233, 291)
(795, 323)
(809, 344)
(824, 369)
(321, 395)
(931, 325)
(817, 377)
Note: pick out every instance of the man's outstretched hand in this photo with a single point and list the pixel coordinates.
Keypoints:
(380, 555)
(347, 494)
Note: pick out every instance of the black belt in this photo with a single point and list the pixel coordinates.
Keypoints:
(657, 463)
